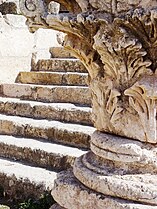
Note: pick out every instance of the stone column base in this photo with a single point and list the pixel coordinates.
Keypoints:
(117, 173)
(72, 194)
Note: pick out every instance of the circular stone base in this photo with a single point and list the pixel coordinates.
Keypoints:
(137, 187)
(125, 150)
(70, 193)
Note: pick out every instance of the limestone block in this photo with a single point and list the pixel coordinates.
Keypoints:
(72, 79)
(136, 187)
(116, 41)
(15, 48)
(120, 149)
(59, 52)
(77, 196)
(60, 65)
(18, 44)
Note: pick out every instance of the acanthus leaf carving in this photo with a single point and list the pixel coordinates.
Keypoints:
(122, 55)
(105, 103)
(143, 23)
(143, 99)
(118, 48)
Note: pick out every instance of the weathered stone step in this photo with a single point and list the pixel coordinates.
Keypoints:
(38, 153)
(22, 181)
(71, 94)
(59, 52)
(54, 131)
(60, 65)
(55, 111)
(52, 78)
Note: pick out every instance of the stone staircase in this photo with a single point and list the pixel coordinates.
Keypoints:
(45, 123)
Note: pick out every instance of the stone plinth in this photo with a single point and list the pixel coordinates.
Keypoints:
(117, 42)
(117, 173)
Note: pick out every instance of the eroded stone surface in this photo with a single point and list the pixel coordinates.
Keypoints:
(44, 154)
(137, 187)
(59, 52)
(66, 112)
(77, 196)
(61, 65)
(116, 41)
(8, 8)
(25, 179)
(50, 78)
(116, 148)
(67, 133)
(72, 94)
(120, 62)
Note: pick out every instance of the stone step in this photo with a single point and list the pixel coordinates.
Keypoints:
(52, 78)
(55, 111)
(22, 181)
(60, 65)
(59, 52)
(71, 134)
(71, 94)
(38, 153)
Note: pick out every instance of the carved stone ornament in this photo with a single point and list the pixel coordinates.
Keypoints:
(117, 42)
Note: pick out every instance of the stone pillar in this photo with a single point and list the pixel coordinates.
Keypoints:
(117, 42)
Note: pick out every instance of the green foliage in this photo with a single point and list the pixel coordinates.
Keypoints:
(44, 202)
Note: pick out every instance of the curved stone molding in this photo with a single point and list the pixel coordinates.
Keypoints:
(120, 149)
(77, 196)
(137, 187)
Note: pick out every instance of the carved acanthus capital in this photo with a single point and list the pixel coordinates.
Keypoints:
(117, 42)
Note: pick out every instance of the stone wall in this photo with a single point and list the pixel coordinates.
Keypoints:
(17, 45)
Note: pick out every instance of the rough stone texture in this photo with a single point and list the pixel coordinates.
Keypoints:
(55, 131)
(116, 183)
(44, 154)
(59, 52)
(61, 65)
(124, 150)
(72, 94)
(116, 41)
(22, 181)
(117, 59)
(75, 195)
(43, 134)
(55, 111)
(50, 78)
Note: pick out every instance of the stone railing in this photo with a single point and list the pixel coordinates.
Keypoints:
(117, 42)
